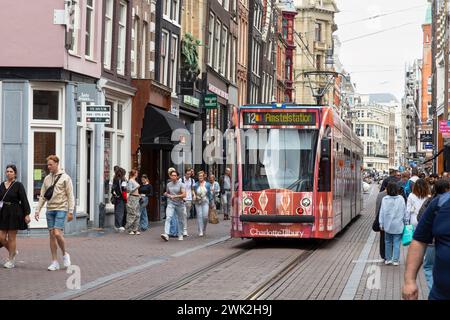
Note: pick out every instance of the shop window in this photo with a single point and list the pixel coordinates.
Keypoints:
(45, 105)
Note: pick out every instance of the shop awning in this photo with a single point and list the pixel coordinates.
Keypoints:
(158, 127)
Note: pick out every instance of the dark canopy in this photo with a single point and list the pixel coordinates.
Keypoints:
(159, 124)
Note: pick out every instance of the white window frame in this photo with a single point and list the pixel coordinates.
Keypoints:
(175, 12)
(76, 28)
(217, 44)
(167, 7)
(174, 63)
(144, 39)
(164, 64)
(122, 38)
(90, 10)
(134, 41)
(223, 51)
(56, 126)
(109, 22)
(211, 39)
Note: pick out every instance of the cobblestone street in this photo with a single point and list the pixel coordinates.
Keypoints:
(120, 266)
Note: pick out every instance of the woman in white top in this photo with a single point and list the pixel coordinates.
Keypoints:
(420, 193)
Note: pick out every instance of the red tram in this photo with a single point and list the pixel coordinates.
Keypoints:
(306, 181)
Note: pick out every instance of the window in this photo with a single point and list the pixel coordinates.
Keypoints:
(359, 130)
(318, 32)
(226, 4)
(134, 43)
(166, 8)
(144, 50)
(211, 40)
(164, 61)
(223, 52)
(233, 61)
(44, 144)
(217, 45)
(75, 20)
(319, 62)
(108, 34)
(173, 62)
(121, 47)
(90, 23)
(45, 105)
(175, 11)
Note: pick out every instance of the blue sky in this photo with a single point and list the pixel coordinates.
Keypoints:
(377, 62)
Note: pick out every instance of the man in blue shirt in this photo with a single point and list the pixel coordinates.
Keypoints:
(435, 224)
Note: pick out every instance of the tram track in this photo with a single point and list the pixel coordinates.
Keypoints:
(281, 273)
(192, 276)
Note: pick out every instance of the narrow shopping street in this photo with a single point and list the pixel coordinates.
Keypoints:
(120, 266)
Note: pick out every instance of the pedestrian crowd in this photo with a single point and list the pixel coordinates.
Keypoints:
(413, 209)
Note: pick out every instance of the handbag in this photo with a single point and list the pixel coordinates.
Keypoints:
(407, 236)
(49, 192)
(1, 202)
(213, 218)
(376, 225)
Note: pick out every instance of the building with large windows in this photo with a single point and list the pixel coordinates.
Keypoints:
(49, 72)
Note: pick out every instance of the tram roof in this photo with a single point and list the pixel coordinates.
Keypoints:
(282, 106)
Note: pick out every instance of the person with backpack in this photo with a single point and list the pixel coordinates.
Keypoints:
(414, 178)
(392, 217)
(434, 224)
(441, 187)
(405, 185)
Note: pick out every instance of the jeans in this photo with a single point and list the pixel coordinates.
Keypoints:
(392, 242)
(170, 212)
(56, 219)
(119, 211)
(428, 263)
(226, 203)
(187, 210)
(202, 216)
(143, 223)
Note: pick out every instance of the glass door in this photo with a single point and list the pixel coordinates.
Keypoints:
(45, 142)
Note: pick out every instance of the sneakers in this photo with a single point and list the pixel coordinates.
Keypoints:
(180, 238)
(388, 262)
(137, 233)
(121, 229)
(66, 260)
(396, 263)
(165, 237)
(185, 234)
(131, 233)
(54, 266)
(200, 234)
(9, 264)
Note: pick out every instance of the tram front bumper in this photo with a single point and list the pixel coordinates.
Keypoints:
(276, 219)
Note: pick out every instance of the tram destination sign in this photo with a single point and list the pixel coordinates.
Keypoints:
(98, 114)
(279, 118)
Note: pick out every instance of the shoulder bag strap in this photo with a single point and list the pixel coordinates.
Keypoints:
(9, 188)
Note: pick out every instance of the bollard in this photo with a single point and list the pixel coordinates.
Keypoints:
(101, 215)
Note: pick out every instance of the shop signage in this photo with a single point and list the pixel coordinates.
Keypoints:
(175, 110)
(426, 137)
(210, 101)
(444, 128)
(186, 88)
(217, 91)
(86, 92)
(191, 101)
(428, 146)
(98, 114)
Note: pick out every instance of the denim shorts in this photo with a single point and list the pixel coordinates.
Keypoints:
(56, 219)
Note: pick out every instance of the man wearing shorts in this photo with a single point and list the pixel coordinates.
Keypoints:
(60, 206)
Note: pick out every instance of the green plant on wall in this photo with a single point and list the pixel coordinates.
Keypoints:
(189, 57)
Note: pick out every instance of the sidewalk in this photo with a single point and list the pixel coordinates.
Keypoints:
(99, 254)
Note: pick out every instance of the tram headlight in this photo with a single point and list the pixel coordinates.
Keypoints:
(248, 202)
(306, 202)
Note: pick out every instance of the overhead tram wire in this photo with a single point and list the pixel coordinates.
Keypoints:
(377, 32)
(380, 15)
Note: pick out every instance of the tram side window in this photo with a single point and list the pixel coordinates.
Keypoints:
(325, 166)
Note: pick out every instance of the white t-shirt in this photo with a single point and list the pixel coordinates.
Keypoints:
(413, 206)
(188, 185)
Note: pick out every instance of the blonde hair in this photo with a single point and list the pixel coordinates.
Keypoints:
(53, 158)
(171, 170)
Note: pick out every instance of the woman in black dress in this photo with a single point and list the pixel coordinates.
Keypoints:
(14, 213)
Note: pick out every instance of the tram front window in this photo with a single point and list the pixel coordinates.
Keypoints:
(286, 161)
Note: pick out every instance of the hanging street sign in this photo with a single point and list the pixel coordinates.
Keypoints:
(98, 114)
(426, 137)
(210, 101)
(428, 146)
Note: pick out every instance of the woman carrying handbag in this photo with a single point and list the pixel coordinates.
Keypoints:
(14, 213)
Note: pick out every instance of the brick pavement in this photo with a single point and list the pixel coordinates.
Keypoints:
(98, 254)
(325, 273)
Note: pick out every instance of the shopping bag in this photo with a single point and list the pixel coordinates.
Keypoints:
(408, 232)
(213, 218)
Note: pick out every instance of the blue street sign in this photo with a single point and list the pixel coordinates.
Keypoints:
(429, 146)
